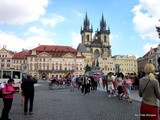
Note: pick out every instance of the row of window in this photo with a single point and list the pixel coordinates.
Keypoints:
(3, 60)
(3, 65)
(53, 68)
(127, 64)
(3, 56)
(19, 61)
(126, 69)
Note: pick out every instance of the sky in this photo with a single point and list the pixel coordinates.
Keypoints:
(25, 24)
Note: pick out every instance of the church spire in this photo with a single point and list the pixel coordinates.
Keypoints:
(86, 23)
(102, 24)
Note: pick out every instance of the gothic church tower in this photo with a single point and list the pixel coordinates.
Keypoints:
(99, 44)
(86, 33)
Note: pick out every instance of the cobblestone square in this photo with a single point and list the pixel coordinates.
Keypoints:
(62, 104)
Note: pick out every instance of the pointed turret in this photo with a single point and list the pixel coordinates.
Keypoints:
(109, 30)
(86, 25)
(102, 25)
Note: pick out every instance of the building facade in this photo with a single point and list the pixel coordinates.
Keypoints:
(48, 61)
(151, 56)
(6, 58)
(126, 64)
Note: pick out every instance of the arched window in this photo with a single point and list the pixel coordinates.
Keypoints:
(105, 38)
(87, 37)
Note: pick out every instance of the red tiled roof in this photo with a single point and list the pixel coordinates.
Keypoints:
(20, 55)
(54, 48)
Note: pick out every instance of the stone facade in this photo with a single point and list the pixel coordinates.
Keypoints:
(48, 61)
(127, 64)
(150, 57)
(6, 58)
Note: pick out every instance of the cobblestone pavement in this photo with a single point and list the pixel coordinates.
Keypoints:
(134, 94)
(62, 104)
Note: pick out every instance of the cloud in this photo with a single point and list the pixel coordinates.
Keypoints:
(13, 43)
(146, 16)
(21, 11)
(148, 46)
(37, 31)
(76, 39)
(77, 13)
(34, 41)
(53, 20)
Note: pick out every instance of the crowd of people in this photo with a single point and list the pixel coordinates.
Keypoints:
(116, 85)
(120, 85)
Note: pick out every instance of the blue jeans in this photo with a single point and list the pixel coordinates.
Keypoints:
(128, 91)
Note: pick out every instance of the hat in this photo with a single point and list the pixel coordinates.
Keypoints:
(10, 80)
(149, 68)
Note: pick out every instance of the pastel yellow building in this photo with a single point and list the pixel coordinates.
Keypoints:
(127, 64)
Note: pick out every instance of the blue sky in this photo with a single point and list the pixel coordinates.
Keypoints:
(29, 23)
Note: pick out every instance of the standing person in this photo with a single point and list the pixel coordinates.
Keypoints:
(79, 82)
(84, 83)
(149, 90)
(7, 92)
(88, 85)
(28, 90)
(119, 81)
(105, 83)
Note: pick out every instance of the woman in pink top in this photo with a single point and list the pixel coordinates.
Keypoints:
(7, 92)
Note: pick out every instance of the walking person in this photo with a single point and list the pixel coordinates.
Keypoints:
(73, 83)
(149, 90)
(28, 90)
(110, 85)
(128, 85)
(8, 92)
(119, 81)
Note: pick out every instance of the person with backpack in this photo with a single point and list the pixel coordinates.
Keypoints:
(8, 93)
